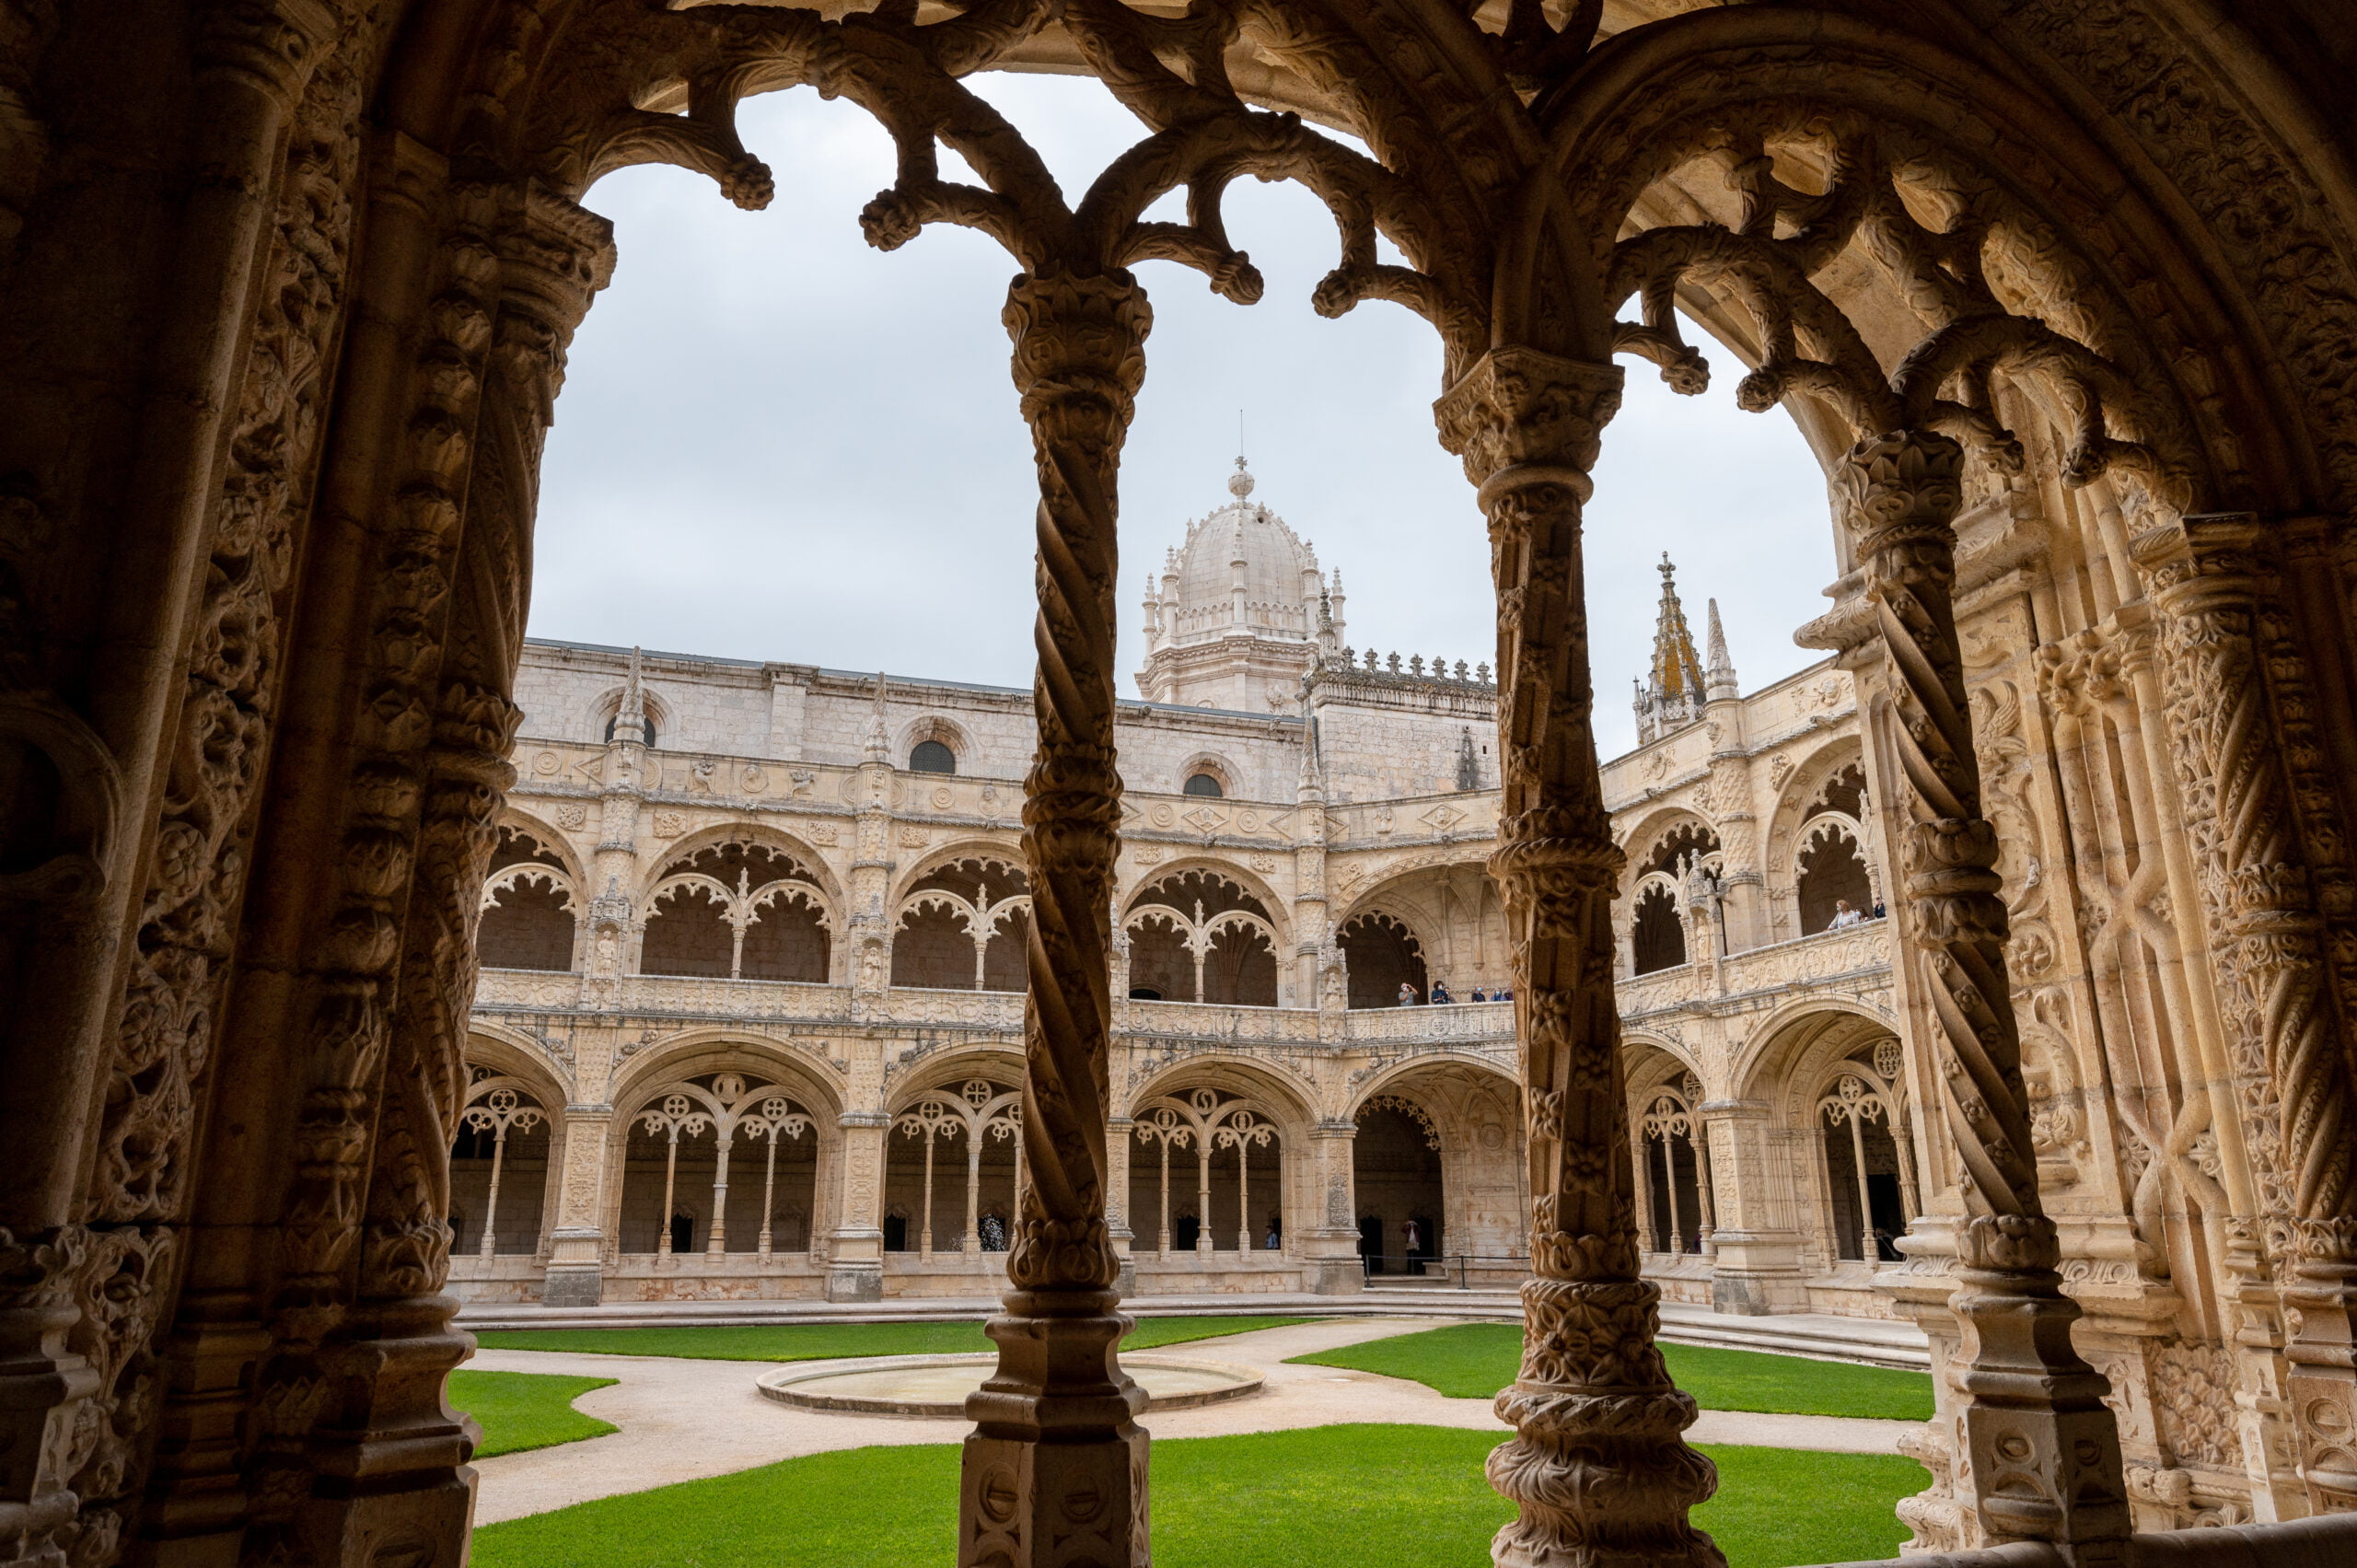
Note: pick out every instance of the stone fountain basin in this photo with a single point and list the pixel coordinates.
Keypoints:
(936, 1386)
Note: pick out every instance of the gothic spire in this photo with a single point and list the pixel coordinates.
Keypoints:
(1720, 684)
(1677, 674)
(1671, 696)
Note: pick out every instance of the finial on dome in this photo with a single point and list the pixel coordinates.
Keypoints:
(1241, 483)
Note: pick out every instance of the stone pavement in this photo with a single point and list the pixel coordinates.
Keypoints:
(685, 1420)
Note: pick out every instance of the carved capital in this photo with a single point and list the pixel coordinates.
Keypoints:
(1079, 350)
(1902, 486)
(1521, 418)
(273, 44)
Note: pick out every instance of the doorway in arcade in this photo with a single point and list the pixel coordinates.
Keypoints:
(1395, 1172)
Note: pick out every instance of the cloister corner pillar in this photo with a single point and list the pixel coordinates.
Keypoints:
(2043, 1446)
(855, 1268)
(575, 1275)
(1598, 1469)
(1054, 1473)
(1331, 1264)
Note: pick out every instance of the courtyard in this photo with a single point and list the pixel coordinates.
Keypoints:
(650, 1447)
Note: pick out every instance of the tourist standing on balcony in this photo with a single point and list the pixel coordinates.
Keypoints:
(1441, 998)
(1845, 916)
(1407, 995)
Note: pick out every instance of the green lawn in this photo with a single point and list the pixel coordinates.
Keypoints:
(527, 1410)
(1476, 1360)
(824, 1341)
(1344, 1496)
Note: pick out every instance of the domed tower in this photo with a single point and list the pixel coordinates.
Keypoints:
(1236, 617)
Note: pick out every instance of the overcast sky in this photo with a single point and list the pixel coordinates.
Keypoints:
(775, 443)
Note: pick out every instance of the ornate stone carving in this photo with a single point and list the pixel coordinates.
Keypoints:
(1595, 1410)
(2044, 1449)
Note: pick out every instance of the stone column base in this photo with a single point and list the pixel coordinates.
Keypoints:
(576, 1274)
(573, 1284)
(1333, 1276)
(856, 1281)
(1126, 1287)
(1756, 1296)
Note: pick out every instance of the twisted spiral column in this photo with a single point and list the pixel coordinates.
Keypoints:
(1598, 1469)
(1054, 1473)
(2215, 584)
(2044, 1447)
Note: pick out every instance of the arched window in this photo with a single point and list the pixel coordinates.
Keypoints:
(932, 757)
(618, 718)
(1204, 784)
(1382, 955)
(1658, 936)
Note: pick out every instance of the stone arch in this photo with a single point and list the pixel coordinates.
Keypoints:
(1666, 1093)
(2044, 175)
(532, 900)
(1818, 802)
(802, 1066)
(1273, 904)
(1381, 953)
(608, 704)
(962, 922)
(1236, 1072)
(767, 1179)
(953, 1158)
(807, 856)
(1656, 925)
(741, 905)
(510, 1053)
(935, 1071)
(528, 1186)
(1665, 836)
(1198, 934)
(1831, 879)
(941, 729)
(1466, 1185)
(1783, 1041)
(1388, 1079)
(1222, 769)
(502, 1164)
(1215, 1150)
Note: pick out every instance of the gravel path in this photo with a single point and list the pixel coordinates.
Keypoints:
(685, 1420)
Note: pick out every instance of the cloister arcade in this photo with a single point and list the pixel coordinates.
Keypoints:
(2061, 297)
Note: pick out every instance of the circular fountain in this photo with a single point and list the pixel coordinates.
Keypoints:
(936, 1386)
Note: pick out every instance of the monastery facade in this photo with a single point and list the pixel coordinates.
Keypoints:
(750, 1020)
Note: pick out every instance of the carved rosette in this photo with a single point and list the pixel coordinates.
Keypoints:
(2234, 749)
(2044, 1447)
(1055, 1471)
(1598, 1469)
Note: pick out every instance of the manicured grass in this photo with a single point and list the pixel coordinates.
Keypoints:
(1475, 1360)
(527, 1410)
(1342, 1496)
(824, 1341)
